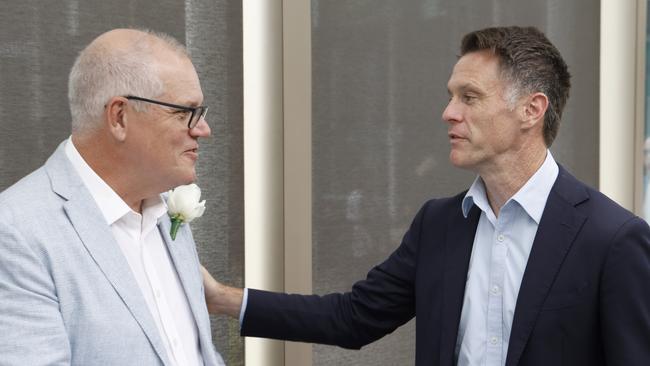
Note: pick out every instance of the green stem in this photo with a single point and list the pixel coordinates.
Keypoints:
(176, 223)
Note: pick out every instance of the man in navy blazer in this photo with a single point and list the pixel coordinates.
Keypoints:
(528, 267)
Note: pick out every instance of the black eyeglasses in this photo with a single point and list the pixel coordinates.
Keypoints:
(196, 113)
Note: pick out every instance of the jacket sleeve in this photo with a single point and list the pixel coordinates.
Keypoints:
(373, 308)
(31, 326)
(625, 296)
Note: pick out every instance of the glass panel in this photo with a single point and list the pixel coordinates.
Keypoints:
(38, 43)
(213, 34)
(380, 148)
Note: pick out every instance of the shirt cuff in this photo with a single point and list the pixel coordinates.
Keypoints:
(244, 302)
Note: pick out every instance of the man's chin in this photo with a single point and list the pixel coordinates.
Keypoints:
(184, 179)
(190, 180)
(456, 159)
(460, 162)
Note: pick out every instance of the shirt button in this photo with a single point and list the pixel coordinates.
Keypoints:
(495, 290)
(500, 237)
(174, 343)
(494, 340)
(157, 293)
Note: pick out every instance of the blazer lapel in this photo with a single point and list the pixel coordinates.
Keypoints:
(96, 236)
(458, 250)
(186, 264)
(556, 233)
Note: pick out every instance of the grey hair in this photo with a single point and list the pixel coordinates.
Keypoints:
(101, 73)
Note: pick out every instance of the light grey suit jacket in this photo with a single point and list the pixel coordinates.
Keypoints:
(67, 293)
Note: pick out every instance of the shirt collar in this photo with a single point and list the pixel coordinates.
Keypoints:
(531, 197)
(111, 205)
(476, 195)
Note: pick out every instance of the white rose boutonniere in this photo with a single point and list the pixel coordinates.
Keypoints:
(183, 206)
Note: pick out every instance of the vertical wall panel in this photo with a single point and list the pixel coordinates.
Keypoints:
(213, 34)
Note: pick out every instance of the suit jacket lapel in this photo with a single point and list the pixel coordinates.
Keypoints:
(185, 262)
(96, 236)
(458, 250)
(556, 233)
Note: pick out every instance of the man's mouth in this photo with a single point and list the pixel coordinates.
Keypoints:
(455, 137)
(194, 153)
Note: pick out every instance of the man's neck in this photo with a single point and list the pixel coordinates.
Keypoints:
(503, 181)
(104, 164)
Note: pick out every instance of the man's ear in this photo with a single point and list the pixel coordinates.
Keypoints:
(116, 117)
(534, 109)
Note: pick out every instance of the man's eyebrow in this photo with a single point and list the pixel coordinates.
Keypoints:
(466, 87)
(188, 103)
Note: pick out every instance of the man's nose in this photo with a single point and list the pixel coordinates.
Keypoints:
(202, 129)
(451, 112)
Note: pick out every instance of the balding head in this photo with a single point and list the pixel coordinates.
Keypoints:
(117, 63)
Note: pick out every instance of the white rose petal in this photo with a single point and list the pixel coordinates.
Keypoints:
(184, 200)
(171, 202)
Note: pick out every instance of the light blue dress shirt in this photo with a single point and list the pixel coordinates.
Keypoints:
(501, 248)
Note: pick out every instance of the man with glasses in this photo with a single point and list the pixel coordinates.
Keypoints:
(89, 274)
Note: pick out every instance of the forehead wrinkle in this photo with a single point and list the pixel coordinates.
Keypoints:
(182, 84)
(476, 65)
(465, 86)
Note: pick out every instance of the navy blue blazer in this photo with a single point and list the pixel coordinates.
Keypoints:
(584, 297)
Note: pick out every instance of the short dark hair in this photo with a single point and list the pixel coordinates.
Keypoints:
(531, 63)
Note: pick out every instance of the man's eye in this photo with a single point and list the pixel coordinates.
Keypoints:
(181, 114)
(468, 98)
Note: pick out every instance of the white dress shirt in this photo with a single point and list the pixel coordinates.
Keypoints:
(500, 253)
(146, 253)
